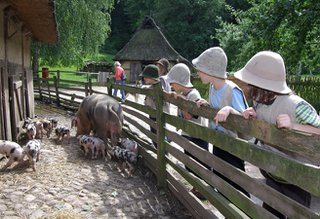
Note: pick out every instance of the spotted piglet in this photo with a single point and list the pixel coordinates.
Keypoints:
(47, 126)
(124, 157)
(32, 150)
(31, 131)
(61, 133)
(129, 144)
(53, 122)
(92, 143)
(13, 151)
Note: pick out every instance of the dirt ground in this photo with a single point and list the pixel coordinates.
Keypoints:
(69, 185)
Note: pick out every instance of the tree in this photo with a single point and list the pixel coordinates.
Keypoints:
(289, 27)
(121, 29)
(83, 26)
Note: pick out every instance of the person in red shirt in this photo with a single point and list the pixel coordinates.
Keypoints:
(118, 75)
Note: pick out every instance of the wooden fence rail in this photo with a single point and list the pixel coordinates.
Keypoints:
(168, 160)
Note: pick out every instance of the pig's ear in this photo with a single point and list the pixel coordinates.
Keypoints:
(136, 148)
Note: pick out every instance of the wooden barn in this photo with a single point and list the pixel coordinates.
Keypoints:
(21, 22)
(147, 45)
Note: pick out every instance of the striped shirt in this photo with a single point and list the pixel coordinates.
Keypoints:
(307, 115)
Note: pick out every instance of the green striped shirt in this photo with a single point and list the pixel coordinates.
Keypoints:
(307, 115)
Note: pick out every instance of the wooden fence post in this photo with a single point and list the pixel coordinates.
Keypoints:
(39, 86)
(58, 75)
(55, 80)
(90, 86)
(109, 87)
(161, 150)
(49, 92)
(86, 89)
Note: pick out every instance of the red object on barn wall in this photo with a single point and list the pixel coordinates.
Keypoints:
(45, 72)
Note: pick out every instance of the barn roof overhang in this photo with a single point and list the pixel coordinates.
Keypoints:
(38, 16)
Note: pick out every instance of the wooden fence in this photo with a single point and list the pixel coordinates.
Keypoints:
(168, 161)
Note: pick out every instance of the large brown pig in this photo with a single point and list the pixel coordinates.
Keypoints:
(100, 113)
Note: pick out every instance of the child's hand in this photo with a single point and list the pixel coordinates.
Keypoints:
(222, 114)
(174, 95)
(202, 102)
(249, 112)
(284, 121)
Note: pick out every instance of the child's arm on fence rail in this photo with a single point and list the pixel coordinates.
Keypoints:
(223, 114)
(284, 121)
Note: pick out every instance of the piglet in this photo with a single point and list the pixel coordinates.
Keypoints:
(13, 151)
(92, 143)
(31, 131)
(130, 145)
(124, 157)
(32, 150)
(62, 132)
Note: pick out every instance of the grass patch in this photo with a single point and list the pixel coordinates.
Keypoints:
(60, 68)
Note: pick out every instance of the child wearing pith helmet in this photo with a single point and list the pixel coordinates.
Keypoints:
(274, 102)
(150, 76)
(179, 80)
(211, 66)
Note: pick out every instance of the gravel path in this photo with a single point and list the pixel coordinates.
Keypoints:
(68, 185)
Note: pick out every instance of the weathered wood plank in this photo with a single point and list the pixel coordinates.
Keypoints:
(133, 89)
(256, 187)
(306, 145)
(72, 88)
(98, 92)
(193, 205)
(143, 143)
(71, 95)
(228, 209)
(236, 197)
(143, 108)
(81, 83)
(150, 159)
(141, 128)
(288, 169)
(139, 115)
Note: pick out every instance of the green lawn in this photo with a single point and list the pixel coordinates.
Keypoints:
(70, 72)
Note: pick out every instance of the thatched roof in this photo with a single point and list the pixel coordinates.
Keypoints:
(148, 44)
(38, 16)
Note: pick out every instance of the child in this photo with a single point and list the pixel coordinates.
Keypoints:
(179, 79)
(211, 67)
(275, 103)
(150, 76)
(163, 65)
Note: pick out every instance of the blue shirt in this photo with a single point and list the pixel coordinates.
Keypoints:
(215, 97)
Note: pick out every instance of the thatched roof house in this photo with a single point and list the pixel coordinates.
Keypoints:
(147, 45)
(20, 22)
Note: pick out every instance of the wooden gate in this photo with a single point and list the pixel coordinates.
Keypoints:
(3, 121)
(16, 105)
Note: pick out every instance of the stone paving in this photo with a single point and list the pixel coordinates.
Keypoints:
(69, 185)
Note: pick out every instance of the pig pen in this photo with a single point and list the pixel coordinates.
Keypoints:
(69, 185)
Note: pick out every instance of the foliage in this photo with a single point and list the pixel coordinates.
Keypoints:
(121, 29)
(202, 88)
(83, 26)
(289, 27)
